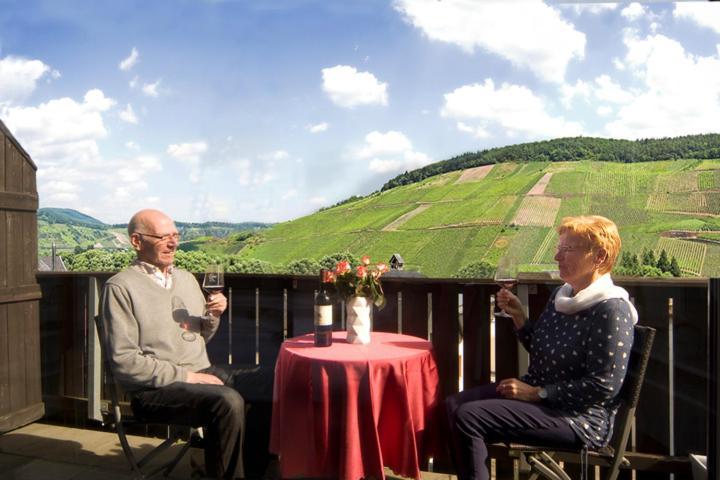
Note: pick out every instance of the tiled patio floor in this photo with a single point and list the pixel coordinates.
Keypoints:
(49, 452)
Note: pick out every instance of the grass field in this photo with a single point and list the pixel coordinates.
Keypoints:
(492, 216)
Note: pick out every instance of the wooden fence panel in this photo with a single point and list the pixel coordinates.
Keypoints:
(272, 303)
(386, 320)
(4, 365)
(476, 335)
(691, 378)
(415, 311)
(20, 390)
(13, 168)
(4, 246)
(243, 324)
(301, 303)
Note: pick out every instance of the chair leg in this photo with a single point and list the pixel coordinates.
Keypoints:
(137, 473)
(543, 464)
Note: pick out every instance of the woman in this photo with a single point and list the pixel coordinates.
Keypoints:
(579, 349)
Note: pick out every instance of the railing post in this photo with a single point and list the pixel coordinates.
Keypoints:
(523, 293)
(713, 442)
(94, 379)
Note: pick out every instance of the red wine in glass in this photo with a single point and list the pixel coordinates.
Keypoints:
(214, 279)
(210, 289)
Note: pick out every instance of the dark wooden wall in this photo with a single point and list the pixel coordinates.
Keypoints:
(20, 394)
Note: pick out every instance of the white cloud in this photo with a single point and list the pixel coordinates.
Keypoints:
(134, 82)
(126, 179)
(604, 110)
(19, 77)
(259, 171)
(152, 89)
(137, 169)
(129, 62)
(61, 131)
(474, 130)
(189, 154)
(591, 8)
(609, 91)
(60, 191)
(679, 94)
(128, 115)
(391, 151)
(317, 201)
(273, 156)
(132, 145)
(243, 171)
(569, 92)
(633, 11)
(390, 143)
(292, 193)
(704, 14)
(514, 109)
(318, 127)
(349, 88)
(618, 64)
(530, 34)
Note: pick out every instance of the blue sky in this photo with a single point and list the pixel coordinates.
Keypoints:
(241, 110)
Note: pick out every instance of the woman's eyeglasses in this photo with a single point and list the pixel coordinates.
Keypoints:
(565, 249)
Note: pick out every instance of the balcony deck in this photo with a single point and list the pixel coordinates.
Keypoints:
(50, 452)
(671, 422)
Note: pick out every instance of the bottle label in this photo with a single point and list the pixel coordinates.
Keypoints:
(323, 315)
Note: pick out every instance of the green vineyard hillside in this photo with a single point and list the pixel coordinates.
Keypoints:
(447, 221)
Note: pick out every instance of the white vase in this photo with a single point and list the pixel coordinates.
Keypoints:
(358, 311)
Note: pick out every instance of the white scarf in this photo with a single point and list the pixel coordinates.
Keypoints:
(601, 289)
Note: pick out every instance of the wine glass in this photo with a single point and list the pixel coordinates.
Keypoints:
(214, 279)
(506, 277)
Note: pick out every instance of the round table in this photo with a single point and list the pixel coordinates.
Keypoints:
(347, 410)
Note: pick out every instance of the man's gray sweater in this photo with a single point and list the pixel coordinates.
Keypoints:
(155, 335)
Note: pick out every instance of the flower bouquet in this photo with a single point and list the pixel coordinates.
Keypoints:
(360, 288)
(360, 281)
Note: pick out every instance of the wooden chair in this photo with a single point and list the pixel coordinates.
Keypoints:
(120, 416)
(545, 462)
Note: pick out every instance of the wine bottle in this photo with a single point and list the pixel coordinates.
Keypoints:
(323, 313)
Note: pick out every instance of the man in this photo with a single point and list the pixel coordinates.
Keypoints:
(156, 323)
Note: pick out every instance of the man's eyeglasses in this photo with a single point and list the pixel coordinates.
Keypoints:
(163, 238)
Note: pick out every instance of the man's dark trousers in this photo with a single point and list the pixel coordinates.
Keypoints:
(219, 409)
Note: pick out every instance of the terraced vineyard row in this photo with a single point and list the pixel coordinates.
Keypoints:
(690, 255)
(484, 217)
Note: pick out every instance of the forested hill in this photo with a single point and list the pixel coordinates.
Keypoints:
(573, 149)
(68, 216)
(70, 230)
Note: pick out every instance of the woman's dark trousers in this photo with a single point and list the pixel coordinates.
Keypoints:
(480, 416)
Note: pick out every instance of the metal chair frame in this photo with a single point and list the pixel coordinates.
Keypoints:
(544, 462)
(141, 465)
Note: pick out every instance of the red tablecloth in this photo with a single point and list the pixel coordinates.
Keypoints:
(345, 411)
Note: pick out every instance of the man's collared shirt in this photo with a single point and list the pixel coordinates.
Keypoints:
(165, 280)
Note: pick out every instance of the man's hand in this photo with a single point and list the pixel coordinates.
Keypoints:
(216, 304)
(206, 378)
(514, 389)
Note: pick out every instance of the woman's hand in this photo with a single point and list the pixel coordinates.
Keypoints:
(216, 304)
(507, 301)
(514, 389)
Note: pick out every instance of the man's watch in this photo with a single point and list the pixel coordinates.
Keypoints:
(542, 393)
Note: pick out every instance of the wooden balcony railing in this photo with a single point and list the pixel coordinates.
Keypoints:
(672, 418)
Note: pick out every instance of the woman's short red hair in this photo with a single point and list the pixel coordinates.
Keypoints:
(599, 232)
